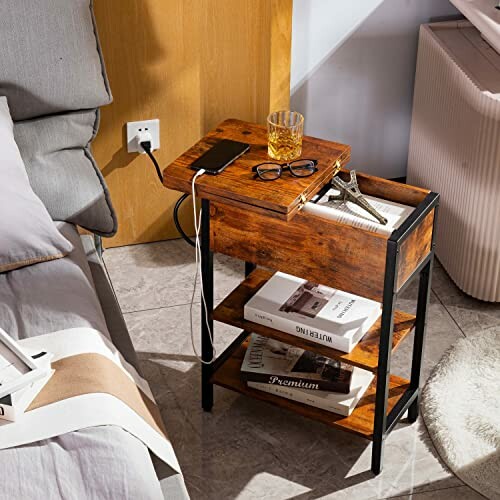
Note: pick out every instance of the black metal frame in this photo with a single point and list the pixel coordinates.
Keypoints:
(383, 423)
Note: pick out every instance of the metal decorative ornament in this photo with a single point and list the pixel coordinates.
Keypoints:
(349, 191)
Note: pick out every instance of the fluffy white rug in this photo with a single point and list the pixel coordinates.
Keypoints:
(461, 409)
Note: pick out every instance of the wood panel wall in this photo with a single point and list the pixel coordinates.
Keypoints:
(192, 64)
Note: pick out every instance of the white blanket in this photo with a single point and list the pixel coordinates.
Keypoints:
(87, 410)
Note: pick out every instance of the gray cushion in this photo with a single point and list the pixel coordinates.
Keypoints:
(27, 233)
(51, 67)
(50, 59)
(61, 169)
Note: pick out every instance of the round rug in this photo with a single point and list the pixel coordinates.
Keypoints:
(461, 409)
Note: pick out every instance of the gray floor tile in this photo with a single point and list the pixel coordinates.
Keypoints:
(161, 274)
(457, 493)
(441, 334)
(247, 449)
(471, 315)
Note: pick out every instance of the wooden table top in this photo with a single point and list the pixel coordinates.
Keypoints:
(237, 184)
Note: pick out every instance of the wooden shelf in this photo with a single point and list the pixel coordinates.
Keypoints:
(360, 422)
(364, 355)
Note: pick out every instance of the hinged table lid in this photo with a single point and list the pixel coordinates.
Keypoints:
(236, 185)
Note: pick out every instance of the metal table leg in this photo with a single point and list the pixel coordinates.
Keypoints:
(424, 290)
(207, 274)
(384, 360)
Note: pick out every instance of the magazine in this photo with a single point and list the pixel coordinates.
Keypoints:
(273, 362)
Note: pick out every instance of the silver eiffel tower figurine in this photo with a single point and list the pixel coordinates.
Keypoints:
(349, 191)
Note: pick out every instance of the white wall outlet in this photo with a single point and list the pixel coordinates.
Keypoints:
(134, 128)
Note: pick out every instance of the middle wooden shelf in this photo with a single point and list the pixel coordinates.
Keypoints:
(364, 355)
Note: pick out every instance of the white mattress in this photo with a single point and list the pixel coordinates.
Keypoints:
(98, 463)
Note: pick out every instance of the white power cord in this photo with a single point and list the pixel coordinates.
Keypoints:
(197, 250)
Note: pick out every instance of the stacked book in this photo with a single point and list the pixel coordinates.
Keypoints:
(315, 312)
(324, 315)
(303, 376)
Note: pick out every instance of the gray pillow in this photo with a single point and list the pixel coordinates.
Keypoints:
(51, 60)
(52, 72)
(27, 233)
(56, 153)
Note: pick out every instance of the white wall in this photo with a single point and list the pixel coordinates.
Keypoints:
(353, 65)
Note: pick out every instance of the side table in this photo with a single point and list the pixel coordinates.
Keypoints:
(261, 223)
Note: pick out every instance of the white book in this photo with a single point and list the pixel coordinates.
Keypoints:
(17, 369)
(16, 404)
(324, 315)
(353, 215)
(334, 402)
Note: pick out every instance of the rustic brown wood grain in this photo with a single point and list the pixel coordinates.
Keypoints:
(190, 63)
(237, 182)
(308, 246)
(360, 422)
(364, 355)
(415, 248)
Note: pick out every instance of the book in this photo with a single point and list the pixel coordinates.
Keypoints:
(273, 362)
(334, 402)
(324, 315)
(17, 369)
(353, 215)
(13, 406)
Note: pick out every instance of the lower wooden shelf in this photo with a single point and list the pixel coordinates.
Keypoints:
(360, 422)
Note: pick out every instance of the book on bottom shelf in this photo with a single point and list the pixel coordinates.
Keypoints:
(330, 317)
(272, 362)
(342, 404)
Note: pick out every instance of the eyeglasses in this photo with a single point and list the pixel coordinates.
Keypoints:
(271, 171)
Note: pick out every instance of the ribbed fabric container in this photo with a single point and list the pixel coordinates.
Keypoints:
(455, 151)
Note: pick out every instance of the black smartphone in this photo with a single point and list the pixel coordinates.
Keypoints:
(217, 158)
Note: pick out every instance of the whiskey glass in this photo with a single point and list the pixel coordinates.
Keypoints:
(285, 130)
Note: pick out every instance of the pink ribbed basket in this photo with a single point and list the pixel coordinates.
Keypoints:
(455, 151)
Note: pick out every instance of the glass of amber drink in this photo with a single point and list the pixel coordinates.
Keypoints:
(285, 130)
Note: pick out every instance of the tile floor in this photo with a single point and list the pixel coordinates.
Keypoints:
(246, 449)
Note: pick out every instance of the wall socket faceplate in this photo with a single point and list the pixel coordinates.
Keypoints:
(133, 128)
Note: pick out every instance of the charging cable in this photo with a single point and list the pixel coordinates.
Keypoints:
(144, 140)
(197, 227)
(177, 206)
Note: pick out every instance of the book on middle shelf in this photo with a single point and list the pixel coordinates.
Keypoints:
(270, 361)
(330, 317)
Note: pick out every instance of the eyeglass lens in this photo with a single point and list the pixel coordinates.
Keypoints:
(302, 168)
(269, 171)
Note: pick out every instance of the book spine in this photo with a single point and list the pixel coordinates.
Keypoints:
(297, 382)
(301, 397)
(7, 412)
(293, 328)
